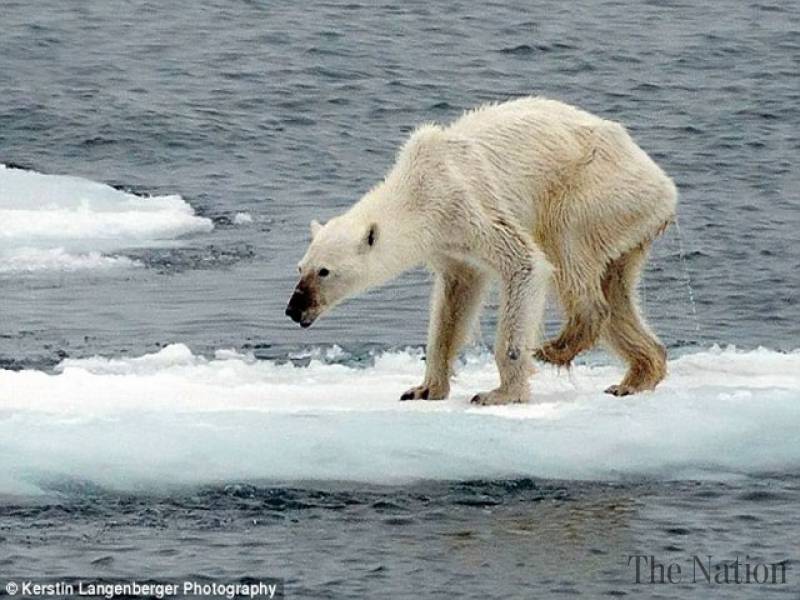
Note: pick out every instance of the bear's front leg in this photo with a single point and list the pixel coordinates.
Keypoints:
(523, 295)
(455, 301)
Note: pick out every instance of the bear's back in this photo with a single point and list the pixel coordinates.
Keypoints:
(533, 113)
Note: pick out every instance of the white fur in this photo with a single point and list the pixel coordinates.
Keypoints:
(527, 191)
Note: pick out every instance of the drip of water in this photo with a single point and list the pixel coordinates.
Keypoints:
(643, 294)
(687, 278)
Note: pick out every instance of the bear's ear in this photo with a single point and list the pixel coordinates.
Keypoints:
(315, 227)
(372, 235)
(369, 239)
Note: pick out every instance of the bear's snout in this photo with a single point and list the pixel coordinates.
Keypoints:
(298, 306)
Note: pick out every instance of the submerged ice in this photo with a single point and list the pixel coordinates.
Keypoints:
(174, 417)
(60, 222)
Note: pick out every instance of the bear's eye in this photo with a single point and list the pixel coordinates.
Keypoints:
(323, 272)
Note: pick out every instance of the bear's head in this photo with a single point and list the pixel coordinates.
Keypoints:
(344, 258)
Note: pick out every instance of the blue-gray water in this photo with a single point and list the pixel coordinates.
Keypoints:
(290, 112)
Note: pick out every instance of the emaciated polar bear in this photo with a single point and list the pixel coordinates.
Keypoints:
(531, 191)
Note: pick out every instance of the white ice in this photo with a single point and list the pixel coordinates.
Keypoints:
(174, 417)
(60, 222)
(242, 218)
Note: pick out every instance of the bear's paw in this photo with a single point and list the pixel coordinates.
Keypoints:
(426, 392)
(499, 396)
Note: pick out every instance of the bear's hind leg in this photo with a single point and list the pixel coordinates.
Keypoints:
(627, 333)
(586, 311)
(455, 303)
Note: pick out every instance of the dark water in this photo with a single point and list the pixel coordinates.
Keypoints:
(521, 539)
(290, 112)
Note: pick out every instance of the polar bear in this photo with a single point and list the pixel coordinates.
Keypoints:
(531, 192)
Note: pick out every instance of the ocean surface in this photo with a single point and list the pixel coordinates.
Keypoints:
(160, 417)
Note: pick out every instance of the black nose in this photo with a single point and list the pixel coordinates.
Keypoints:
(298, 303)
(293, 313)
